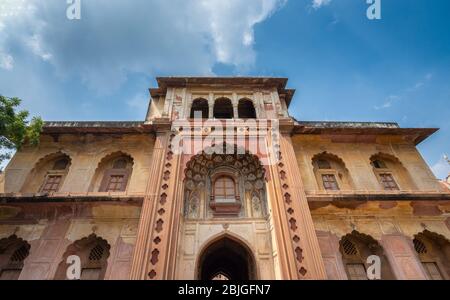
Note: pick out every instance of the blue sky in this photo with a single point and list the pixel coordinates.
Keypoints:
(344, 66)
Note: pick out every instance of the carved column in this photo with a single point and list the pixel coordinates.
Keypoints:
(149, 210)
(235, 103)
(211, 105)
(296, 233)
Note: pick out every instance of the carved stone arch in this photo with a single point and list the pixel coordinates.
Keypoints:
(93, 252)
(246, 168)
(105, 169)
(247, 109)
(223, 108)
(387, 156)
(108, 155)
(355, 248)
(37, 176)
(13, 252)
(337, 170)
(433, 250)
(201, 105)
(393, 167)
(253, 272)
(328, 155)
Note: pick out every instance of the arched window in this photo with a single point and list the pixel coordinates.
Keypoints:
(246, 109)
(13, 252)
(434, 254)
(223, 109)
(388, 170)
(331, 173)
(224, 190)
(225, 200)
(55, 175)
(355, 249)
(200, 108)
(93, 252)
(116, 177)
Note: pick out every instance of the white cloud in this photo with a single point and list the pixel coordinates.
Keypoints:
(441, 169)
(391, 99)
(316, 4)
(35, 45)
(231, 26)
(116, 38)
(388, 102)
(6, 61)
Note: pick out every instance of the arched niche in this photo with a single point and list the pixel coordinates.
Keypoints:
(93, 252)
(390, 172)
(246, 109)
(247, 174)
(355, 248)
(200, 107)
(228, 256)
(48, 174)
(223, 109)
(13, 252)
(331, 173)
(433, 251)
(113, 173)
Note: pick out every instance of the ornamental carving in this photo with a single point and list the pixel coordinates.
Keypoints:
(246, 172)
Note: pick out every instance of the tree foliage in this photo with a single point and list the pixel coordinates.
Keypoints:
(15, 128)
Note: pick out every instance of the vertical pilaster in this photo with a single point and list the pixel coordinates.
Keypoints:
(299, 237)
(235, 105)
(211, 105)
(148, 212)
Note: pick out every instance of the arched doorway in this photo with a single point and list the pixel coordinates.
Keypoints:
(226, 258)
(434, 254)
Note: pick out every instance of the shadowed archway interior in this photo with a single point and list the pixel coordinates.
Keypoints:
(229, 258)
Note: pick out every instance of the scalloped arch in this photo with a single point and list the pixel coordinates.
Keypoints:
(362, 237)
(80, 245)
(436, 237)
(329, 155)
(112, 155)
(387, 156)
(51, 156)
(212, 150)
(11, 240)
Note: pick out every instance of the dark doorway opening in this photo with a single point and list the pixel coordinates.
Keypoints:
(223, 109)
(246, 109)
(227, 258)
(200, 109)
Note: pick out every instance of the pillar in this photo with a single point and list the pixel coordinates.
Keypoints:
(297, 243)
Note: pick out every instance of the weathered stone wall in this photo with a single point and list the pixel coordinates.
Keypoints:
(51, 227)
(178, 101)
(356, 157)
(196, 236)
(85, 152)
(393, 224)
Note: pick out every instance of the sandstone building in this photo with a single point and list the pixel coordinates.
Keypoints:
(219, 182)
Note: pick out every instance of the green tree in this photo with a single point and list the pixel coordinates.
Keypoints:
(15, 128)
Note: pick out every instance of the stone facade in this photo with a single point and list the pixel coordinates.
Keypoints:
(242, 192)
